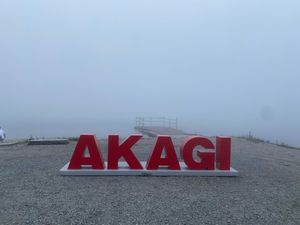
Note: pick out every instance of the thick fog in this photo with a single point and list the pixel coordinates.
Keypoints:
(221, 67)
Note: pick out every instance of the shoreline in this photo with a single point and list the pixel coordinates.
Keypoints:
(14, 141)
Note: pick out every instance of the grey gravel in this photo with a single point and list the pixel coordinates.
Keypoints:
(266, 192)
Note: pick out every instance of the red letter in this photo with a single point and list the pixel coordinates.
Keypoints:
(207, 158)
(223, 147)
(170, 159)
(78, 159)
(116, 151)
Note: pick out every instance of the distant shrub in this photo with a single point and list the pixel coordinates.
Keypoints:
(251, 138)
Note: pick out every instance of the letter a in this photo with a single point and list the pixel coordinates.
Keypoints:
(94, 160)
(170, 160)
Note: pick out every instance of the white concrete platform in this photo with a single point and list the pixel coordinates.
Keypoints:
(125, 171)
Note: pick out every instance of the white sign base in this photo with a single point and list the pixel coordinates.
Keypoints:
(124, 170)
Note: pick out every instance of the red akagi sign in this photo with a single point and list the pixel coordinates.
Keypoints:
(212, 160)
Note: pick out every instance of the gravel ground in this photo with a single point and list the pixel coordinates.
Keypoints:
(266, 192)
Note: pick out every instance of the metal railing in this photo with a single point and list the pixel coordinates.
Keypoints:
(156, 121)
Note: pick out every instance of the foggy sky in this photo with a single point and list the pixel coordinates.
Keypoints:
(221, 67)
